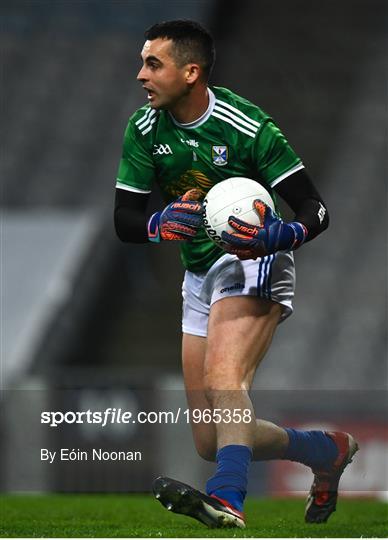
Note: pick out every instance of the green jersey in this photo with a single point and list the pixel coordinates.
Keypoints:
(232, 138)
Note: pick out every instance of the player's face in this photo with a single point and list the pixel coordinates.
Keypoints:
(164, 81)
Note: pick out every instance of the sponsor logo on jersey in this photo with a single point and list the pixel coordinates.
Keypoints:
(235, 287)
(190, 142)
(220, 155)
(190, 179)
(160, 149)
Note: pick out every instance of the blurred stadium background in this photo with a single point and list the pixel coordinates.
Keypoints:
(88, 322)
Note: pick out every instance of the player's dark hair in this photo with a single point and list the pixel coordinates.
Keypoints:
(191, 42)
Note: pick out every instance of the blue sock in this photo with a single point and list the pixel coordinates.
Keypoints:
(231, 478)
(312, 448)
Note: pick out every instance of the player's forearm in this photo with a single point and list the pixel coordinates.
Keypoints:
(314, 216)
(303, 198)
(130, 226)
(130, 216)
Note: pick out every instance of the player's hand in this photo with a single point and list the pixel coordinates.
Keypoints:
(180, 220)
(273, 234)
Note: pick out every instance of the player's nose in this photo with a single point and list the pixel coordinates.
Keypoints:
(141, 76)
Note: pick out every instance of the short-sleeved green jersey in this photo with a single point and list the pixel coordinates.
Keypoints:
(232, 138)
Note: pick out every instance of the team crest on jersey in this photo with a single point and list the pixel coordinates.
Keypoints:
(220, 155)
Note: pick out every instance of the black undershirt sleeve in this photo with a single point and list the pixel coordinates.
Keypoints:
(303, 198)
(130, 216)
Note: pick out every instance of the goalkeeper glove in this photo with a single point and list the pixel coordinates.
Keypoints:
(273, 234)
(180, 220)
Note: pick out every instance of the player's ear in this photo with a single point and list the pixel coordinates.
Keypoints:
(193, 73)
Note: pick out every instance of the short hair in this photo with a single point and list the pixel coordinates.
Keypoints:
(191, 42)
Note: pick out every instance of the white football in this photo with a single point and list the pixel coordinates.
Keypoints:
(232, 197)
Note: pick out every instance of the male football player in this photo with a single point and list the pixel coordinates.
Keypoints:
(188, 137)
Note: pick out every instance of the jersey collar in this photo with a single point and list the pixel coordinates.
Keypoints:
(202, 119)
